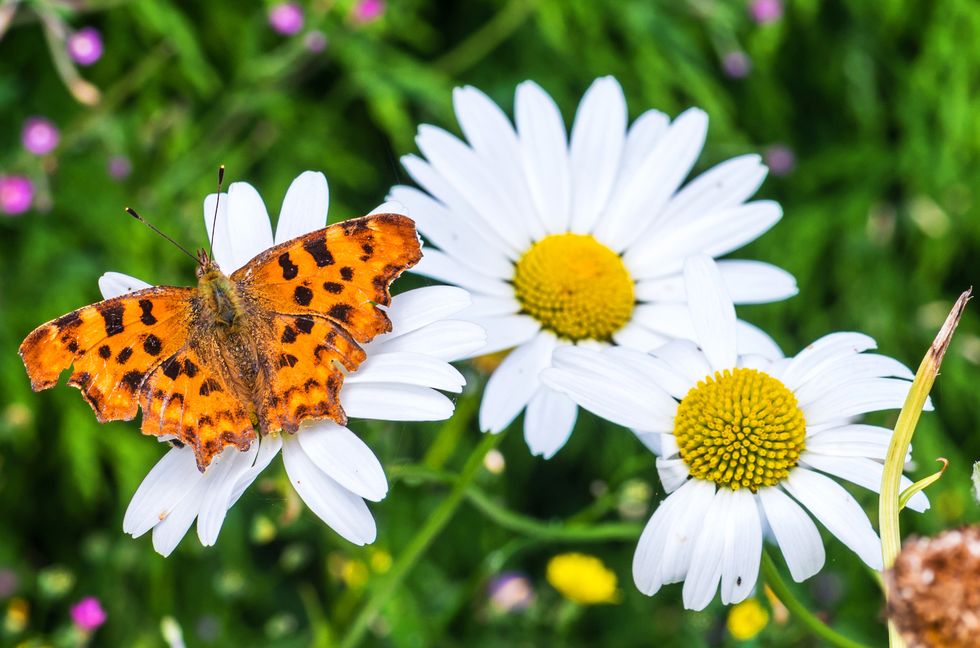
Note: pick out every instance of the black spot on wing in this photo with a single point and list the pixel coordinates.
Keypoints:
(70, 320)
(333, 287)
(171, 367)
(112, 314)
(368, 251)
(190, 368)
(303, 295)
(289, 269)
(124, 355)
(288, 335)
(147, 317)
(347, 273)
(317, 248)
(72, 346)
(340, 312)
(105, 352)
(304, 323)
(152, 344)
(288, 360)
(208, 386)
(132, 380)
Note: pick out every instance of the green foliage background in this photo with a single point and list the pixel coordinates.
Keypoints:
(881, 229)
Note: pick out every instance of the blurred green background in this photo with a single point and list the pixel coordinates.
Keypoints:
(869, 110)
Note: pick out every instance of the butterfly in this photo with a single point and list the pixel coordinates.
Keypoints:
(266, 347)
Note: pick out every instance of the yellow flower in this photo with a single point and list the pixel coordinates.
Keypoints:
(747, 619)
(380, 561)
(355, 574)
(582, 579)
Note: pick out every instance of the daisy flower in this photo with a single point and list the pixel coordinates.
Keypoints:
(580, 239)
(746, 445)
(330, 467)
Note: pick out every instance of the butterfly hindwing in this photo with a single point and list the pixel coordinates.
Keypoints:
(340, 272)
(112, 346)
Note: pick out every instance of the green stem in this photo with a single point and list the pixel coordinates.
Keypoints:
(799, 610)
(908, 418)
(418, 544)
(484, 40)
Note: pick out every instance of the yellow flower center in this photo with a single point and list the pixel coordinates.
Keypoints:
(747, 619)
(575, 286)
(740, 428)
(582, 578)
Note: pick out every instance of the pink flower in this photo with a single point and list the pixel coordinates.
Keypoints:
(39, 136)
(766, 11)
(315, 41)
(286, 18)
(510, 591)
(16, 194)
(120, 167)
(780, 159)
(366, 11)
(88, 614)
(85, 46)
(736, 64)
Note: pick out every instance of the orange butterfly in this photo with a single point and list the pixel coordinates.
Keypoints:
(267, 346)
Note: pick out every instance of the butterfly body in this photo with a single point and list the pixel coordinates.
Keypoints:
(267, 346)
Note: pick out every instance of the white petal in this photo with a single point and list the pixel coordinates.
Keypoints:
(852, 440)
(394, 402)
(861, 471)
(708, 555)
(755, 282)
(304, 209)
(460, 210)
(810, 361)
(663, 553)
(858, 397)
(453, 234)
(269, 447)
(473, 180)
(342, 510)
(652, 440)
(221, 476)
(172, 529)
(637, 336)
(444, 268)
(850, 368)
(685, 358)
(638, 200)
(752, 340)
(249, 228)
(602, 385)
(548, 422)
(795, 532)
(670, 320)
(484, 306)
(506, 332)
(673, 473)
(838, 511)
(743, 549)
(114, 284)
(514, 382)
(344, 457)
(544, 147)
(597, 142)
(712, 312)
(163, 488)
(662, 289)
(408, 369)
(219, 234)
(448, 340)
(389, 207)
(662, 252)
(414, 309)
(726, 185)
(642, 136)
(666, 377)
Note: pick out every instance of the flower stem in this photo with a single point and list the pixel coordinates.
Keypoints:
(799, 610)
(908, 418)
(420, 542)
(484, 40)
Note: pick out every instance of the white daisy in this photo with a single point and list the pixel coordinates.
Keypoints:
(331, 469)
(579, 239)
(744, 444)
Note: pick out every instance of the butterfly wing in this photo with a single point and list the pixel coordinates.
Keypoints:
(113, 346)
(322, 290)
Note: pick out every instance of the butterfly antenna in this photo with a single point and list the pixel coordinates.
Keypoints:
(214, 219)
(132, 212)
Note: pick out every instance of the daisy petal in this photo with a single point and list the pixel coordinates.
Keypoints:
(304, 209)
(638, 201)
(414, 309)
(712, 312)
(389, 207)
(161, 491)
(221, 478)
(861, 471)
(506, 332)
(726, 185)
(642, 136)
(858, 397)
(704, 574)
(485, 306)
(838, 511)
(597, 141)
(648, 560)
(637, 336)
(660, 372)
(408, 369)
(810, 361)
(548, 422)
(172, 529)
(743, 550)
(853, 440)
(394, 402)
(849, 368)
(663, 252)
(340, 509)
(679, 543)
(544, 147)
(752, 340)
(269, 447)
(443, 268)
(448, 340)
(344, 457)
(755, 282)
(796, 534)
(248, 224)
(115, 284)
(514, 382)
(673, 473)
(686, 359)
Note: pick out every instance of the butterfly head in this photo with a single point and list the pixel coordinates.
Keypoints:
(206, 265)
